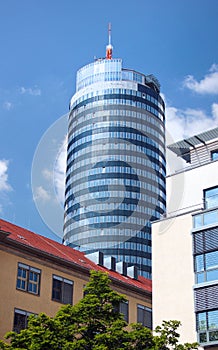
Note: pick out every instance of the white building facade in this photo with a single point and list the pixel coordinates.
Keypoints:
(185, 244)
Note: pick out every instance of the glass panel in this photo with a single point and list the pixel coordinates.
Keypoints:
(213, 336)
(56, 290)
(212, 275)
(197, 221)
(19, 322)
(33, 276)
(201, 321)
(32, 288)
(33, 284)
(18, 284)
(211, 197)
(210, 217)
(124, 309)
(203, 337)
(199, 263)
(148, 318)
(140, 315)
(212, 260)
(21, 278)
(22, 273)
(213, 319)
(67, 293)
(200, 277)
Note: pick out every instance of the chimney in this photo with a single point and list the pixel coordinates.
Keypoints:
(96, 257)
(110, 263)
(121, 267)
(132, 271)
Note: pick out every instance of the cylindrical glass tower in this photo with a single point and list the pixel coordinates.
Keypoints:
(115, 180)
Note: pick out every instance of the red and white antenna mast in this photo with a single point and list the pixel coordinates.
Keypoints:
(109, 47)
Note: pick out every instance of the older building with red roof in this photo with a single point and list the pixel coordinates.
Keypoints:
(39, 275)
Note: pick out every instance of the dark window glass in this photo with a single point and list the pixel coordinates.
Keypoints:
(214, 155)
(28, 278)
(62, 290)
(203, 337)
(67, 293)
(207, 326)
(124, 309)
(20, 320)
(144, 316)
(56, 290)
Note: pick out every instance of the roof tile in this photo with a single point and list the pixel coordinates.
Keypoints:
(68, 254)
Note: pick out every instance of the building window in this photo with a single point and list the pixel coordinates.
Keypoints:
(28, 278)
(62, 290)
(124, 309)
(206, 267)
(207, 326)
(211, 197)
(20, 320)
(144, 316)
(214, 155)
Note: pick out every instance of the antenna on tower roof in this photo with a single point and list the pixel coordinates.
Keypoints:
(109, 47)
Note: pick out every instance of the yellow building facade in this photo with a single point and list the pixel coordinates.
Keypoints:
(40, 275)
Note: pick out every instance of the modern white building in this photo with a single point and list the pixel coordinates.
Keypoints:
(185, 244)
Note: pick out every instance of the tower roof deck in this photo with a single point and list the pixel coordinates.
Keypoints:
(103, 69)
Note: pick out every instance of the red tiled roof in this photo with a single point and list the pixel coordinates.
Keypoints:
(68, 254)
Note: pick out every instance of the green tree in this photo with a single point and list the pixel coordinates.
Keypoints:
(93, 324)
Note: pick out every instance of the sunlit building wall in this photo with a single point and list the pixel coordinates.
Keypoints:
(185, 244)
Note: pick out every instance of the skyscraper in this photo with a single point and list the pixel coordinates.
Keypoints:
(115, 179)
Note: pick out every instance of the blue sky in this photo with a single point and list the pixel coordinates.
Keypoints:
(43, 43)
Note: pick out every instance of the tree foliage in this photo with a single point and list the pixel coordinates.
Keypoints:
(93, 324)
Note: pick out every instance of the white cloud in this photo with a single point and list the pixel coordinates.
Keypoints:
(42, 194)
(47, 174)
(60, 171)
(207, 85)
(35, 91)
(185, 123)
(215, 110)
(4, 185)
(7, 105)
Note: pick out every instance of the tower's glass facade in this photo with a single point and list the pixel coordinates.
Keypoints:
(115, 180)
